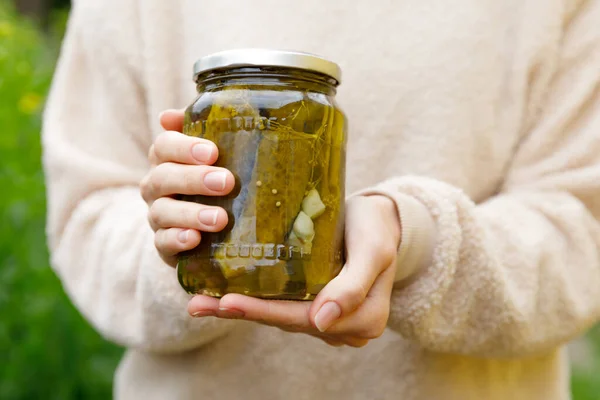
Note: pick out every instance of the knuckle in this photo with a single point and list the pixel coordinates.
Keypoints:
(374, 331)
(151, 152)
(165, 242)
(144, 183)
(190, 180)
(146, 189)
(162, 141)
(355, 294)
(187, 214)
(375, 326)
(155, 184)
(155, 213)
(150, 222)
(159, 240)
(159, 177)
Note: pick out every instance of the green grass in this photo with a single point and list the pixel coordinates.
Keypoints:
(585, 382)
(47, 350)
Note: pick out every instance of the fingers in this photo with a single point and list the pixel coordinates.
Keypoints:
(203, 306)
(152, 157)
(166, 212)
(356, 330)
(287, 315)
(172, 120)
(172, 241)
(370, 320)
(233, 306)
(369, 253)
(168, 179)
(172, 146)
(354, 307)
(180, 167)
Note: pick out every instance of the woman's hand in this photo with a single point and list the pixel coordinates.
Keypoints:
(354, 307)
(182, 165)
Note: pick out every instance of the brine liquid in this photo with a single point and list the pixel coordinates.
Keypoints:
(285, 232)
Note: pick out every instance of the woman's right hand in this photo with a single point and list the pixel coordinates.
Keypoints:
(182, 165)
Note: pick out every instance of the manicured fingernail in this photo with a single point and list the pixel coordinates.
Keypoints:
(230, 313)
(327, 315)
(216, 181)
(183, 236)
(202, 152)
(208, 217)
(204, 313)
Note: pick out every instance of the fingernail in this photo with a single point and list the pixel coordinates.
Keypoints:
(202, 152)
(208, 217)
(216, 181)
(230, 313)
(204, 313)
(327, 315)
(183, 236)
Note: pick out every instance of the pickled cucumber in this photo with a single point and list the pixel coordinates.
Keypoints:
(328, 226)
(285, 147)
(273, 279)
(230, 104)
(284, 171)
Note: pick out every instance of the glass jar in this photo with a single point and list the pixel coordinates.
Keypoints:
(273, 116)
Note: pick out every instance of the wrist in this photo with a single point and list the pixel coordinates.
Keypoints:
(390, 214)
(416, 229)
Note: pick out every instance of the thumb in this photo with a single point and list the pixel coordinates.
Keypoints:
(370, 251)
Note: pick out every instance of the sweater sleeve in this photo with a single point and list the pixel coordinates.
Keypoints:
(96, 137)
(518, 273)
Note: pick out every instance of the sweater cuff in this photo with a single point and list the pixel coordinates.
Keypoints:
(418, 231)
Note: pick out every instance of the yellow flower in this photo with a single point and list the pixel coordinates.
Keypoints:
(29, 103)
(6, 29)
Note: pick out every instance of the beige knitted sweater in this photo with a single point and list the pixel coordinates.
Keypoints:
(480, 118)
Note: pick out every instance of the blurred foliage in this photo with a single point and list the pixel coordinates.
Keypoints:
(585, 381)
(47, 349)
(61, 3)
(40, 10)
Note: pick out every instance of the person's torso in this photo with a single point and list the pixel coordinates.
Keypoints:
(424, 83)
(434, 88)
(258, 362)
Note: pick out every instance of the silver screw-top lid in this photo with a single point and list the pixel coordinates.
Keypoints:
(267, 58)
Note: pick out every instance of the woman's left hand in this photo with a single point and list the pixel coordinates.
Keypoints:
(354, 307)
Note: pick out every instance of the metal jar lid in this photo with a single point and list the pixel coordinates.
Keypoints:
(266, 58)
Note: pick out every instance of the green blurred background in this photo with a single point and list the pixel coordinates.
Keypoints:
(47, 350)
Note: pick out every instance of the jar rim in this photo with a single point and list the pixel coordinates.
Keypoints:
(266, 58)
